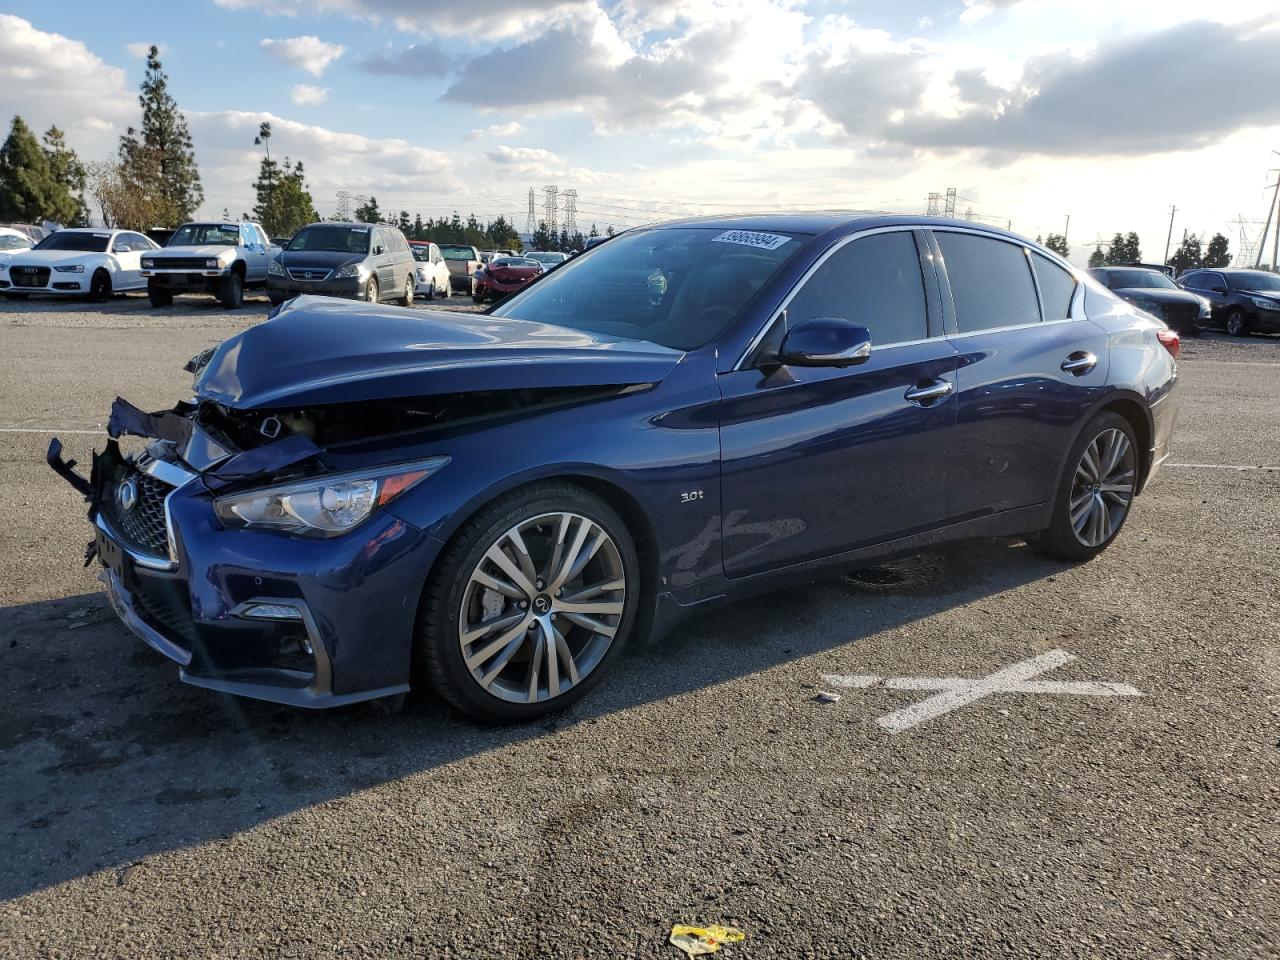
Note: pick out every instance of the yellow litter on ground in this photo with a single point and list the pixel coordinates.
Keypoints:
(697, 941)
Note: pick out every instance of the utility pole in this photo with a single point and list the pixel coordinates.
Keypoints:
(1066, 231)
(1169, 239)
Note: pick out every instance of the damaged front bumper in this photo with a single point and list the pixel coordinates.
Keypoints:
(303, 622)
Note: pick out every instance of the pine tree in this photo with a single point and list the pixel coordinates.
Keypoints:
(69, 173)
(1058, 244)
(29, 192)
(562, 242)
(1097, 258)
(284, 204)
(1217, 254)
(1117, 252)
(369, 212)
(594, 232)
(159, 160)
(1132, 249)
(1187, 256)
(608, 231)
(542, 238)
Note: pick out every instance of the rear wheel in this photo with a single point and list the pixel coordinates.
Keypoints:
(231, 291)
(1237, 325)
(100, 287)
(159, 296)
(529, 604)
(406, 298)
(1096, 490)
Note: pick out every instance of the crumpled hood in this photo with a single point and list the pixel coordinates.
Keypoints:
(1159, 294)
(320, 351)
(203, 250)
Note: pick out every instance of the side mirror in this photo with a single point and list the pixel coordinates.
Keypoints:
(825, 342)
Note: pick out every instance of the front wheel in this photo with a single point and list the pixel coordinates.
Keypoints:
(231, 293)
(371, 290)
(448, 288)
(159, 296)
(531, 601)
(100, 287)
(1096, 490)
(1237, 325)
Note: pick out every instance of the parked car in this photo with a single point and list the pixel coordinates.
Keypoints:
(223, 259)
(280, 242)
(11, 241)
(367, 261)
(1242, 301)
(33, 232)
(1159, 296)
(161, 235)
(504, 276)
(82, 261)
(550, 259)
(497, 503)
(463, 260)
(433, 278)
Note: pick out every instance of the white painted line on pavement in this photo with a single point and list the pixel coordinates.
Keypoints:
(53, 430)
(1222, 466)
(951, 693)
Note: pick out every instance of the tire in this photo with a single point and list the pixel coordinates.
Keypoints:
(100, 287)
(448, 287)
(406, 300)
(1236, 324)
(159, 296)
(1099, 514)
(477, 297)
(454, 597)
(1195, 330)
(371, 290)
(431, 291)
(231, 291)
(276, 299)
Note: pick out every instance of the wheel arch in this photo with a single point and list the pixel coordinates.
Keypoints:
(1134, 409)
(240, 267)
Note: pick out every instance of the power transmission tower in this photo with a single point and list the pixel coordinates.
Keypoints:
(571, 211)
(551, 209)
(950, 209)
(344, 206)
(935, 205)
(531, 221)
(1272, 209)
(1248, 244)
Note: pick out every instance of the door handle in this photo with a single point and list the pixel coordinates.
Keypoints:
(933, 390)
(1079, 363)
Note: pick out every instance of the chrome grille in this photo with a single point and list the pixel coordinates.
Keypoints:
(309, 273)
(142, 528)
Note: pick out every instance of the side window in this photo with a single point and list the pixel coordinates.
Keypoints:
(990, 282)
(1214, 282)
(1057, 288)
(435, 253)
(1193, 280)
(263, 239)
(875, 282)
(140, 243)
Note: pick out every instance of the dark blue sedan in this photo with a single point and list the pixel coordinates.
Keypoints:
(357, 495)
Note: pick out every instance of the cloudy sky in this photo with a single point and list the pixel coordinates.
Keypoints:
(1033, 110)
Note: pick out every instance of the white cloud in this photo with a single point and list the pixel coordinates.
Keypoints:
(305, 95)
(141, 48)
(512, 129)
(306, 53)
(513, 18)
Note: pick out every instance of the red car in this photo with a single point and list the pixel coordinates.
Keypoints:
(502, 276)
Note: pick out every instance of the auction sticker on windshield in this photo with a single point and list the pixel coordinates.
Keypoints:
(749, 238)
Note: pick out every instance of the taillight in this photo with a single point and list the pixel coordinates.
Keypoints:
(1170, 341)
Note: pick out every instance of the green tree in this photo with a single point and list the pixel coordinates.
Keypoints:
(1097, 258)
(418, 228)
(71, 176)
(608, 231)
(542, 238)
(1187, 256)
(594, 232)
(1118, 251)
(1218, 253)
(562, 242)
(284, 204)
(1132, 249)
(29, 192)
(369, 212)
(158, 160)
(1058, 244)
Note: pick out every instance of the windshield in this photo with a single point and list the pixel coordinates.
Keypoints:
(1123, 279)
(678, 287)
(457, 253)
(199, 234)
(1256, 281)
(543, 257)
(10, 242)
(332, 240)
(71, 240)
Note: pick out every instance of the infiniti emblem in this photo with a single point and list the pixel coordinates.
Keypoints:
(542, 603)
(127, 494)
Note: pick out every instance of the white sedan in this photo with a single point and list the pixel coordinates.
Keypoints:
(82, 261)
(431, 274)
(11, 241)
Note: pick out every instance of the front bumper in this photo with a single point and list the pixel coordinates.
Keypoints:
(288, 288)
(179, 280)
(493, 288)
(67, 284)
(308, 623)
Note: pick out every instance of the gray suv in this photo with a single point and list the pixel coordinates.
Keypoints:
(367, 261)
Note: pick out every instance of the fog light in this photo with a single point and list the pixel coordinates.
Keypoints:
(270, 611)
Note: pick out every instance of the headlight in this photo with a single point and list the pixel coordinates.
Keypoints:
(73, 268)
(1206, 308)
(422, 274)
(1263, 304)
(350, 270)
(323, 506)
(148, 263)
(275, 268)
(212, 264)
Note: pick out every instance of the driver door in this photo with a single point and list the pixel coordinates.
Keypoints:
(127, 249)
(820, 460)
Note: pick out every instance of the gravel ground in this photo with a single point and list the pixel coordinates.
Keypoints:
(702, 783)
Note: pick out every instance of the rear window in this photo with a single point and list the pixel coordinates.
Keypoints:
(454, 252)
(991, 282)
(1057, 288)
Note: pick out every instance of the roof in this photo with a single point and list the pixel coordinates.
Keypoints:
(823, 221)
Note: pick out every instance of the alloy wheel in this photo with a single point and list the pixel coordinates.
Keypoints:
(1103, 487)
(541, 607)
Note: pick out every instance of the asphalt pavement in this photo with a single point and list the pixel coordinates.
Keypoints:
(1101, 777)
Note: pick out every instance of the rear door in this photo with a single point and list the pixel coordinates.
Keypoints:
(1214, 287)
(818, 461)
(383, 263)
(127, 248)
(1031, 366)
